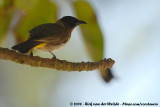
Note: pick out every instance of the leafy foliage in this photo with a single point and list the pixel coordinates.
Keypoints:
(42, 11)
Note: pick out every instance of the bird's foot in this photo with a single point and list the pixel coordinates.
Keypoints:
(54, 57)
(31, 54)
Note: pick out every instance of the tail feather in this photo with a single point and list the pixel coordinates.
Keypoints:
(25, 47)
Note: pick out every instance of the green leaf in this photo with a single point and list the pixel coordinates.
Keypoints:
(92, 35)
(25, 5)
(6, 13)
(91, 32)
(42, 12)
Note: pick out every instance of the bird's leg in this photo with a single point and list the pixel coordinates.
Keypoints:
(31, 54)
(54, 57)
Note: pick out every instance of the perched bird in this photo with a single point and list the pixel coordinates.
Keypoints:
(49, 37)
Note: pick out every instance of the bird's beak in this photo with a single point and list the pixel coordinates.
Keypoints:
(81, 22)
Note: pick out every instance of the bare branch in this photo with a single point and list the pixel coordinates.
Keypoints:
(57, 64)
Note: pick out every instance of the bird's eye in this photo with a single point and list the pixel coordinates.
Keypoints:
(72, 23)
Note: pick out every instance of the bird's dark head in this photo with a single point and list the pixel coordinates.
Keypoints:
(71, 22)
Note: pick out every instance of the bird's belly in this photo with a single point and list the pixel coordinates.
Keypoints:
(50, 47)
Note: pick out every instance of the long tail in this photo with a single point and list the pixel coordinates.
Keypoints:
(25, 46)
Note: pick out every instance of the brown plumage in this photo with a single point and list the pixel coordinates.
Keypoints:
(50, 36)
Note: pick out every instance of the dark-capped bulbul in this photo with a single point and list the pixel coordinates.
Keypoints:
(49, 37)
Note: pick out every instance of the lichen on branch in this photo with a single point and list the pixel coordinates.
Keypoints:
(57, 64)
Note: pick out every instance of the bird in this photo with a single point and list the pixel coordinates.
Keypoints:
(49, 37)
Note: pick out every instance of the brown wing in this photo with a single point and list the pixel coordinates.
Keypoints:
(44, 29)
(47, 33)
(54, 39)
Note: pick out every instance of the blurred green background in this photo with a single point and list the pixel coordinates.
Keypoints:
(126, 31)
